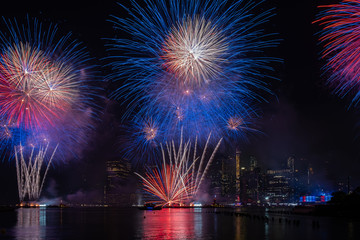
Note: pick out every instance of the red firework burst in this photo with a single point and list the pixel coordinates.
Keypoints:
(34, 91)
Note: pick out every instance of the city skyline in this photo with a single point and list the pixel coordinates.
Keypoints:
(302, 119)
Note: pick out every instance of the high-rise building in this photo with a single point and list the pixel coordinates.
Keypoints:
(117, 172)
(253, 163)
(222, 177)
(291, 164)
(238, 173)
(278, 186)
(228, 178)
(215, 176)
(252, 186)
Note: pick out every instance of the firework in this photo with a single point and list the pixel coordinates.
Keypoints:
(140, 141)
(45, 98)
(179, 178)
(28, 171)
(150, 130)
(40, 79)
(235, 123)
(191, 65)
(43, 84)
(340, 36)
(195, 50)
(33, 91)
(168, 184)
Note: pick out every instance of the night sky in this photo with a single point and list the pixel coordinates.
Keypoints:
(302, 118)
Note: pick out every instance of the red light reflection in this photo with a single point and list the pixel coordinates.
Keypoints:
(172, 223)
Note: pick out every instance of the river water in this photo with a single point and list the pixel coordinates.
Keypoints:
(197, 223)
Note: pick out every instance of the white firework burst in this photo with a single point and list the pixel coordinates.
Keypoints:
(195, 50)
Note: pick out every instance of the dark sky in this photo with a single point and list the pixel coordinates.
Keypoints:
(304, 119)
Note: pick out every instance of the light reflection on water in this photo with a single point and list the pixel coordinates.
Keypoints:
(171, 223)
(125, 223)
(31, 223)
(238, 229)
(198, 222)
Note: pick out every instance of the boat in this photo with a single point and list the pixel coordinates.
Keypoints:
(150, 206)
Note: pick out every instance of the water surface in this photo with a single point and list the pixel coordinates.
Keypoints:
(188, 223)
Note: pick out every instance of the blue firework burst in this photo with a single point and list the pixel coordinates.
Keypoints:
(192, 65)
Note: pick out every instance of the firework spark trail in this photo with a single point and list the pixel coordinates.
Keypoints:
(28, 171)
(203, 174)
(46, 96)
(173, 182)
(191, 65)
(341, 40)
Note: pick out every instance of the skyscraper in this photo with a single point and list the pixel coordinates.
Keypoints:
(253, 163)
(118, 172)
(238, 152)
(291, 163)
